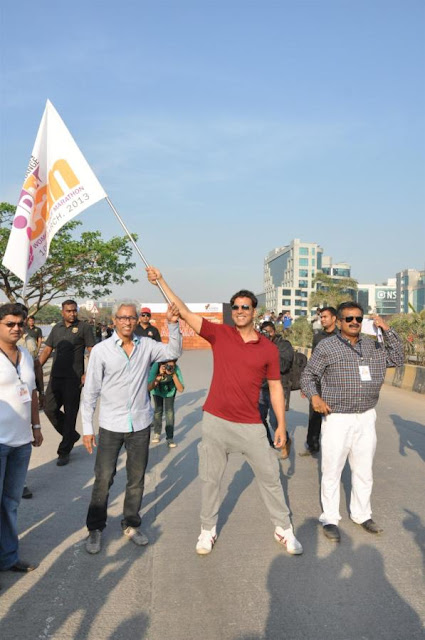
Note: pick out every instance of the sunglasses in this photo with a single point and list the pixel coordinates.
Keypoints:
(10, 325)
(244, 307)
(358, 319)
(148, 315)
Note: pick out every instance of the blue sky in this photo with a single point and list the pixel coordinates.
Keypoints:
(221, 130)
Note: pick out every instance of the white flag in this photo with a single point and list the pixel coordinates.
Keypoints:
(59, 185)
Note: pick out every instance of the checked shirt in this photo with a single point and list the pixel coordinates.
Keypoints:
(333, 371)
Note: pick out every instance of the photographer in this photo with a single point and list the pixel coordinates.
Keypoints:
(286, 356)
(165, 379)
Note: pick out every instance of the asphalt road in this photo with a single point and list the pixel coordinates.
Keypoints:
(366, 588)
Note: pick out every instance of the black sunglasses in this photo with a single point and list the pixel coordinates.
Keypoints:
(13, 324)
(146, 314)
(358, 319)
(244, 307)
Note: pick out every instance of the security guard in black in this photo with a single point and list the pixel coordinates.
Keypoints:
(68, 340)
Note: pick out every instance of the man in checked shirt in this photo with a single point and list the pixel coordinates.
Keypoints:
(342, 379)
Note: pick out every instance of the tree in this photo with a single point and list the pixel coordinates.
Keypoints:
(411, 329)
(48, 314)
(331, 292)
(81, 267)
(300, 332)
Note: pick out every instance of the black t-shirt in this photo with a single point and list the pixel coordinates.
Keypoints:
(149, 332)
(35, 333)
(69, 344)
(320, 335)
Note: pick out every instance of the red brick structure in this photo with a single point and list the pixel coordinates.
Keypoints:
(211, 311)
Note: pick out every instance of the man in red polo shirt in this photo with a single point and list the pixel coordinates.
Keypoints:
(243, 358)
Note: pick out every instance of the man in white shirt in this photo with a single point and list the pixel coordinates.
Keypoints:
(19, 427)
(118, 373)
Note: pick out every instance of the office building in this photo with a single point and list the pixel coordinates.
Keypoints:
(410, 290)
(379, 298)
(289, 274)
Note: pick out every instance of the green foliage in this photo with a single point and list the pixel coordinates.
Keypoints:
(331, 292)
(48, 314)
(411, 329)
(84, 266)
(300, 333)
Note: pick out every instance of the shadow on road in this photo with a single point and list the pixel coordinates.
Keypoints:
(411, 435)
(345, 595)
(414, 524)
(81, 585)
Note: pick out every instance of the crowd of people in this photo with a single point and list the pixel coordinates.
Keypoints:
(132, 369)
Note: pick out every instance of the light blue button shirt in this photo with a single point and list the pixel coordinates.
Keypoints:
(121, 381)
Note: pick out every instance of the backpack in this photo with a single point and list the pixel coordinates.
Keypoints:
(298, 366)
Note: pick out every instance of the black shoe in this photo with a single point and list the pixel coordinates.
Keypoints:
(331, 531)
(26, 493)
(23, 567)
(76, 436)
(371, 527)
(63, 460)
(309, 451)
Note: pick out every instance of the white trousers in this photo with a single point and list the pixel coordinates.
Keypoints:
(349, 435)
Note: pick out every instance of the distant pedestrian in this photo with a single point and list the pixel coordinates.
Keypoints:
(165, 379)
(118, 375)
(232, 421)
(144, 328)
(286, 356)
(316, 325)
(19, 428)
(328, 318)
(34, 332)
(287, 320)
(68, 340)
(343, 379)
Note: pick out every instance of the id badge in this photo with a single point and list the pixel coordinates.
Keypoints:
(365, 373)
(23, 392)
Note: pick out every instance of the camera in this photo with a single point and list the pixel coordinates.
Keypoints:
(169, 368)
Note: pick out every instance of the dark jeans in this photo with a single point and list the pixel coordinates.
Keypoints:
(13, 470)
(287, 392)
(108, 449)
(161, 404)
(63, 392)
(314, 428)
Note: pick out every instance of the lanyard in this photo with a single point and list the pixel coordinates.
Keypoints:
(348, 344)
(15, 364)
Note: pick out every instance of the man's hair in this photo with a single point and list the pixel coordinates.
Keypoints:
(267, 323)
(331, 310)
(67, 302)
(12, 309)
(125, 303)
(350, 304)
(31, 318)
(244, 293)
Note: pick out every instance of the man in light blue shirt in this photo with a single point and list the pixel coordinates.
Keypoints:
(118, 373)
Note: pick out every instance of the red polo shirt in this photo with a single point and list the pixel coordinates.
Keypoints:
(239, 369)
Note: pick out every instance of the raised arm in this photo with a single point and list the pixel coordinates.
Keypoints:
(194, 321)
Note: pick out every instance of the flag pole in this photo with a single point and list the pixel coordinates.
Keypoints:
(122, 223)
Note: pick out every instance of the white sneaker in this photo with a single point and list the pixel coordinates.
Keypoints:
(155, 439)
(136, 536)
(206, 541)
(171, 444)
(287, 538)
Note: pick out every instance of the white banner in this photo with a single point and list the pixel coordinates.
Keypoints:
(59, 185)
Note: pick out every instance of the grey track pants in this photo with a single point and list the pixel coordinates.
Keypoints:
(221, 437)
